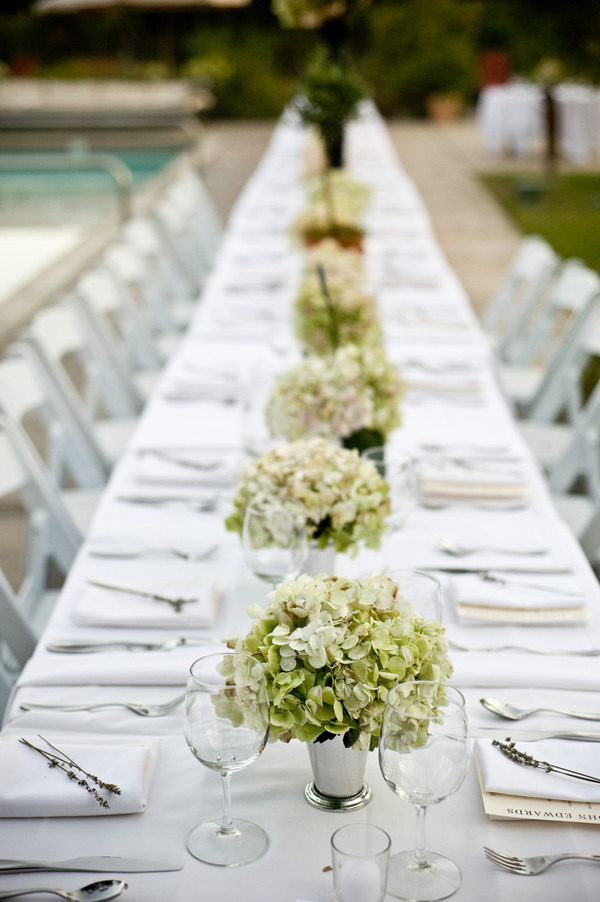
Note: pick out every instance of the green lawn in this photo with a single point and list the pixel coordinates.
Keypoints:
(566, 214)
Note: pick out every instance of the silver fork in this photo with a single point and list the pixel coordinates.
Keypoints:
(153, 552)
(143, 710)
(534, 865)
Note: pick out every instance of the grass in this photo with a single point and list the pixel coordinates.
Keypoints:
(566, 212)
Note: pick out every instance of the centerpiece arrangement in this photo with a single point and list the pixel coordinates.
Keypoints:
(341, 499)
(333, 307)
(330, 92)
(332, 648)
(353, 395)
(334, 210)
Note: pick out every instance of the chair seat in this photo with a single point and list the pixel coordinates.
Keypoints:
(547, 441)
(519, 383)
(113, 436)
(146, 381)
(575, 510)
(81, 504)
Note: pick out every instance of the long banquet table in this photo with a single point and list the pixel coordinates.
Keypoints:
(243, 325)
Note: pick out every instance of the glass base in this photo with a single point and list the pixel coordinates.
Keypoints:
(437, 878)
(246, 842)
(334, 803)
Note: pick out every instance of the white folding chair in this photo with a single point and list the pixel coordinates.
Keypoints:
(176, 291)
(189, 223)
(517, 296)
(541, 389)
(51, 531)
(142, 295)
(93, 391)
(17, 639)
(106, 310)
(35, 405)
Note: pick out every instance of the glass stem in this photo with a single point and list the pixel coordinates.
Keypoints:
(226, 827)
(420, 860)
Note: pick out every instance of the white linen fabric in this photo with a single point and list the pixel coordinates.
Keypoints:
(242, 335)
(29, 787)
(503, 775)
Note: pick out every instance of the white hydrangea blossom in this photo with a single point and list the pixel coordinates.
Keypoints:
(332, 648)
(341, 498)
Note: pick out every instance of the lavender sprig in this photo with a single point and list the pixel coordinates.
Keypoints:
(73, 770)
(510, 751)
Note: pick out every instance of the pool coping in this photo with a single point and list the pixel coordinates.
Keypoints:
(18, 308)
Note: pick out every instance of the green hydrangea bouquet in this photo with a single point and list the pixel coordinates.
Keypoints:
(341, 498)
(334, 210)
(355, 389)
(332, 649)
(345, 313)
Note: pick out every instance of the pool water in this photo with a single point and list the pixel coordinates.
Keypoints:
(35, 197)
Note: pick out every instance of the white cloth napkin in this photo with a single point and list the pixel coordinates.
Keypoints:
(445, 480)
(476, 598)
(500, 774)
(113, 668)
(107, 721)
(105, 607)
(30, 788)
(186, 466)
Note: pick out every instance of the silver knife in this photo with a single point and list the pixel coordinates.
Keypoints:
(92, 863)
(176, 603)
(67, 646)
(482, 571)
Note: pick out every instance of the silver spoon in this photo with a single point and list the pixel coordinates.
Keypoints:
(458, 550)
(99, 891)
(510, 712)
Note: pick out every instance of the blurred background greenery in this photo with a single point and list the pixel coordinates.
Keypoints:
(410, 52)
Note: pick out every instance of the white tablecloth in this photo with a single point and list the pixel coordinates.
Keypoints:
(428, 321)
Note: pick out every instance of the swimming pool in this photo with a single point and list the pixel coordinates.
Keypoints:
(33, 193)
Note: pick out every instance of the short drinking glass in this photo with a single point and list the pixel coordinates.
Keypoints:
(360, 856)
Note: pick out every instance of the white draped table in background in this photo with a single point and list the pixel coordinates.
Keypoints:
(242, 332)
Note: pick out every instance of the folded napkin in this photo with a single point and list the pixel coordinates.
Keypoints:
(113, 668)
(475, 598)
(30, 788)
(186, 466)
(417, 381)
(107, 607)
(204, 390)
(207, 425)
(443, 480)
(500, 774)
(104, 721)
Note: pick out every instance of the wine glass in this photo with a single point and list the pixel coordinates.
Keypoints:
(226, 728)
(421, 590)
(397, 467)
(423, 758)
(274, 543)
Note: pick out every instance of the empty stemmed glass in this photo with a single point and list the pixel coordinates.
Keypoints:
(274, 543)
(397, 467)
(423, 758)
(421, 590)
(226, 728)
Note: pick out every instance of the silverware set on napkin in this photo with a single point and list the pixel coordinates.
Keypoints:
(157, 710)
